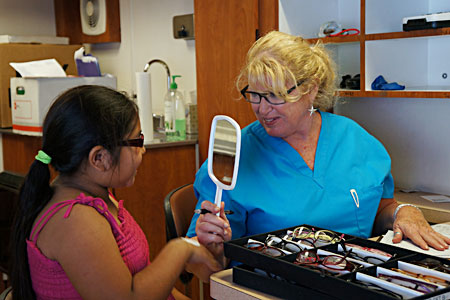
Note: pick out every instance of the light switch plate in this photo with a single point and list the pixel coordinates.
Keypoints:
(183, 27)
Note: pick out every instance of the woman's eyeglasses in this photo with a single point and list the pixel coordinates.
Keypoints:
(138, 142)
(255, 97)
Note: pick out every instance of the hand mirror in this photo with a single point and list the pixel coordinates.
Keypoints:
(223, 154)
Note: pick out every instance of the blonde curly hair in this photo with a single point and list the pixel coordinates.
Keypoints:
(279, 60)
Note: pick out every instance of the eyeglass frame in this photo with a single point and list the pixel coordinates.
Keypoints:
(377, 288)
(419, 284)
(137, 142)
(264, 95)
(366, 258)
(262, 247)
(371, 250)
(428, 278)
(320, 261)
(282, 244)
(314, 235)
(433, 264)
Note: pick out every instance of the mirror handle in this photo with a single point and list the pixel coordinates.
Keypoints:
(218, 199)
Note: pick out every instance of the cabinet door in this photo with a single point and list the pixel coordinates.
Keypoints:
(224, 31)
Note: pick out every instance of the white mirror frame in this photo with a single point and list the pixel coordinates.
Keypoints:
(221, 186)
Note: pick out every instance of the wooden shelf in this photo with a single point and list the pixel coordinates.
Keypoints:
(336, 39)
(407, 34)
(394, 94)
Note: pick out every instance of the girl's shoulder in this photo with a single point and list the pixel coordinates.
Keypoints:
(71, 223)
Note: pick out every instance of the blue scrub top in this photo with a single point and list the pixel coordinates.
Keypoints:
(275, 188)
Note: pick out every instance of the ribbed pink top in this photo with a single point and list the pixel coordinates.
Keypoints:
(48, 277)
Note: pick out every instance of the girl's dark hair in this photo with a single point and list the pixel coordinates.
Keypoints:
(78, 120)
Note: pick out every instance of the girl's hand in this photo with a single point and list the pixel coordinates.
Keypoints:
(201, 262)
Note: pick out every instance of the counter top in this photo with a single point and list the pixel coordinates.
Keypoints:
(433, 212)
(159, 139)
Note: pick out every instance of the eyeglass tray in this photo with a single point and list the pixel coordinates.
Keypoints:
(280, 277)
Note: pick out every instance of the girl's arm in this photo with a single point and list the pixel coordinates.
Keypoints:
(85, 247)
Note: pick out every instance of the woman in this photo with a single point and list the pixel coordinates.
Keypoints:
(300, 164)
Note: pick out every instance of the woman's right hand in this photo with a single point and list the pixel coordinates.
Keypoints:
(213, 230)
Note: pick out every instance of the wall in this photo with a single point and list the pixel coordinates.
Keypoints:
(415, 133)
(146, 32)
(24, 17)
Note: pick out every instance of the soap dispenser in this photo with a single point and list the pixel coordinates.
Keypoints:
(174, 113)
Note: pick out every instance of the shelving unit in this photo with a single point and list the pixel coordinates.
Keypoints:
(417, 59)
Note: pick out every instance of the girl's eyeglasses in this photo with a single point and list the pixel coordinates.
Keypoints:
(138, 142)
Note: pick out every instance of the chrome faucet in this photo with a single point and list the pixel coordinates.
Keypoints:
(147, 66)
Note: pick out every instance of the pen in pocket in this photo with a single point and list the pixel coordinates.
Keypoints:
(205, 211)
(355, 197)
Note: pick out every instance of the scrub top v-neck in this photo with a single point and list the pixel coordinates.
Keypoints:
(276, 189)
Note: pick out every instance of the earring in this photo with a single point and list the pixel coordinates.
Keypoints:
(312, 110)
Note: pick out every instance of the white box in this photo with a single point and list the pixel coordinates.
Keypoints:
(31, 98)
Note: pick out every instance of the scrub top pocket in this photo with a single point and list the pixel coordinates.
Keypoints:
(365, 203)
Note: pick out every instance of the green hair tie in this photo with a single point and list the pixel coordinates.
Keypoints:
(43, 157)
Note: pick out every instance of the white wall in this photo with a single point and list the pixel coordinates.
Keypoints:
(24, 17)
(416, 134)
(27, 17)
(146, 28)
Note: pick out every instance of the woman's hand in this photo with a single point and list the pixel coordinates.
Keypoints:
(410, 223)
(213, 230)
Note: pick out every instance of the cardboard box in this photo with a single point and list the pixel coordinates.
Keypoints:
(32, 97)
(28, 52)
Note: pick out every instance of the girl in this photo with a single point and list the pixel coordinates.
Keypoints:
(72, 239)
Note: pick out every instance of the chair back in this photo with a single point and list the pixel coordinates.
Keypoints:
(179, 207)
(6, 294)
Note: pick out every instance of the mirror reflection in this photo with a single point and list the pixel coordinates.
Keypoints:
(224, 151)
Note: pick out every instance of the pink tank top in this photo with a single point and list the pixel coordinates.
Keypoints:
(48, 277)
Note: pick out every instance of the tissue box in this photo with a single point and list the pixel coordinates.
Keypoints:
(28, 52)
(31, 98)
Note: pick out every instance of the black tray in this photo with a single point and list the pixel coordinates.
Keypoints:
(300, 279)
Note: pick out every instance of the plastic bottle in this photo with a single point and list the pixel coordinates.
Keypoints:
(174, 113)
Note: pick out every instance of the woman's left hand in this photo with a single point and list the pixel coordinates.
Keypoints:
(410, 223)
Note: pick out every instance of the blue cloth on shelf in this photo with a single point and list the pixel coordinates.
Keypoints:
(381, 84)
